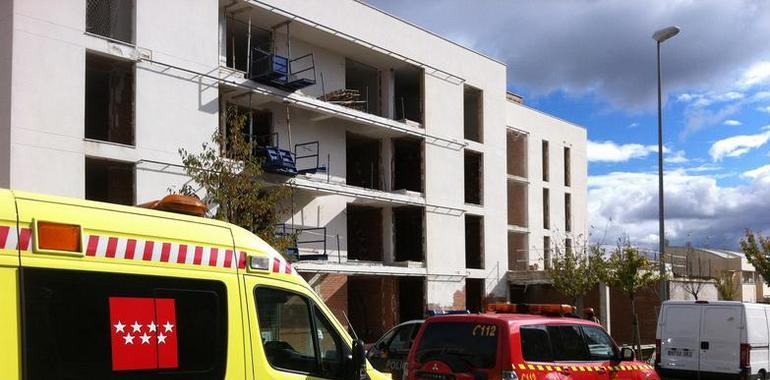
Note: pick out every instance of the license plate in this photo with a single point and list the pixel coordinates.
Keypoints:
(679, 353)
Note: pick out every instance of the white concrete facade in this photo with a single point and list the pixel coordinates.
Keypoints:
(182, 81)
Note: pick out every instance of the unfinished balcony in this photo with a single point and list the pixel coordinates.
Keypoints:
(290, 62)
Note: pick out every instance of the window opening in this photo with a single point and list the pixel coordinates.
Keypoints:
(407, 164)
(567, 166)
(516, 152)
(517, 203)
(473, 177)
(364, 229)
(518, 252)
(109, 101)
(568, 212)
(363, 162)
(111, 18)
(408, 233)
(474, 244)
(110, 181)
(408, 94)
(546, 209)
(545, 160)
(472, 113)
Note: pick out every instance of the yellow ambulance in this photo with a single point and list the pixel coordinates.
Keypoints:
(91, 290)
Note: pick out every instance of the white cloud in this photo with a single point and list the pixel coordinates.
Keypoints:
(697, 207)
(736, 146)
(764, 109)
(608, 151)
(757, 74)
(732, 122)
(549, 60)
(677, 157)
(761, 95)
(761, 172)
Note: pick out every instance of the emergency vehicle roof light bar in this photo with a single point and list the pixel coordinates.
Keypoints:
(181, 204)
(524, 308)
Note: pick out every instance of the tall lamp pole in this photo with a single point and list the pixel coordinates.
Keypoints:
(661, 36)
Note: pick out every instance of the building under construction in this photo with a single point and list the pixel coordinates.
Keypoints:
(420, 183)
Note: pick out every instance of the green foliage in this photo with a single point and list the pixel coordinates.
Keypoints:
(575, 272)
(727, 286)
(629, 271)
(757, 250)
(232, 178)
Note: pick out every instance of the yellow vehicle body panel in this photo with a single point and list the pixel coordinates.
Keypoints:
(130, 240)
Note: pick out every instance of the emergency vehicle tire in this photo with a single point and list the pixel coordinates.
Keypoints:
(762, 375)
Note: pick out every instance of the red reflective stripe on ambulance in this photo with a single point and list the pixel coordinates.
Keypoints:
(165, 252)
(130, 249)
(276, 265)
(182, 255)
(4, 231)
(93, 242)
(24, 238)
(213, 252)
(288, 268)
(147, 254)
(241, 260)
(198, 255)
(112, 243)
(228, 258)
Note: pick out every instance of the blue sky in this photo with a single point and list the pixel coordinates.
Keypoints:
(593, 63)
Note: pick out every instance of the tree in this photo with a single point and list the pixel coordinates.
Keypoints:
(628, 270)
(694, 278)
(727, 286)
(231, 176)
(575, 272)
(757, 251)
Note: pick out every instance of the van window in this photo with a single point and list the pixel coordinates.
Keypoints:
(286, 325)
(94, 325)
(472, 343)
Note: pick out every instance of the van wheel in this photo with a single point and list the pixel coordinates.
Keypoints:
(762, 375)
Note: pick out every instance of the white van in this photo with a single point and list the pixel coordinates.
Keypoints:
(713, 339)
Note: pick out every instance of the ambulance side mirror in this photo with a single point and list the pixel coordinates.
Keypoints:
(626, 354)
(358, 367)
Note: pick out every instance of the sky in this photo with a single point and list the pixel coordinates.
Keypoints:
(593, 62)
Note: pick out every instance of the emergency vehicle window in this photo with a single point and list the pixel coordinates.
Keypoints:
(600, 346)
(402, 340)
(330, 346)
(472, 343)
(92, 325)
(535, 346)
(285, 329)
(567, 343)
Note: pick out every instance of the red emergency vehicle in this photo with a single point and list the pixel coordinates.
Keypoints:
(520, 342)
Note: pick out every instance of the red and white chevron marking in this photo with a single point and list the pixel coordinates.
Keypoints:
(11, 238)
(147, 250)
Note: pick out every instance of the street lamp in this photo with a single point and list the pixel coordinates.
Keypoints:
(661, 36)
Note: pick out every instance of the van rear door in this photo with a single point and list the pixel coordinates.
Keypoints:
(679, 336)
(720, 339)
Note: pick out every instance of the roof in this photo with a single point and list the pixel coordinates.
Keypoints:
(115, 233)
(364, 3)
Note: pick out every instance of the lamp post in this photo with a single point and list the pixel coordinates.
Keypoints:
(661, 36)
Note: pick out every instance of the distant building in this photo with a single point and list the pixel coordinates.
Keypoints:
(705, 264)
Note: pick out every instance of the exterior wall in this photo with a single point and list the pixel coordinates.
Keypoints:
(171, 112)
(6, 66)
(559, 134)
(42, 84)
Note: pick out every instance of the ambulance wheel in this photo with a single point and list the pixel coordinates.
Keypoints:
(762, 375)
